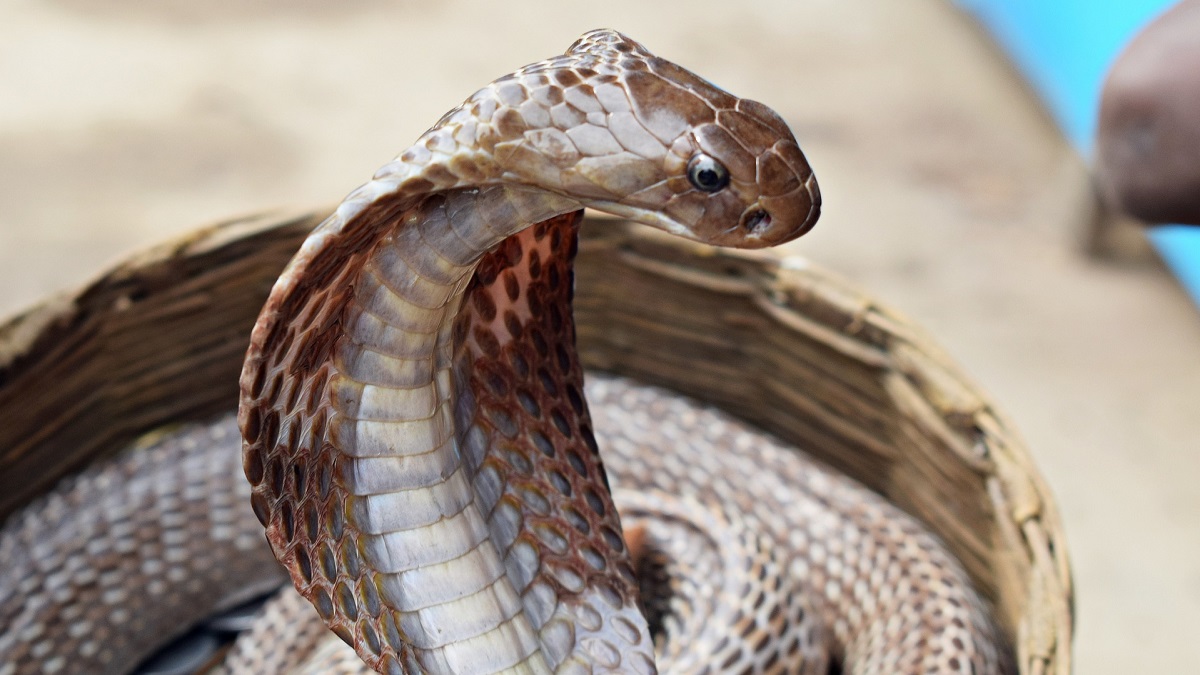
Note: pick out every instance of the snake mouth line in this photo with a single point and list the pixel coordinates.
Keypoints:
(653, 218)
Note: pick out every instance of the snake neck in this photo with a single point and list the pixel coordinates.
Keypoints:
(528, 437)
(429, 476)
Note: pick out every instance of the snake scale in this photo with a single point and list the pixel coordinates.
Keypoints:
(426, 460)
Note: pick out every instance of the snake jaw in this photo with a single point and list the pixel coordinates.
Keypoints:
(655, 219)
(616, 128)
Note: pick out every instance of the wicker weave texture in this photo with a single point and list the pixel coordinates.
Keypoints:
(788, 347)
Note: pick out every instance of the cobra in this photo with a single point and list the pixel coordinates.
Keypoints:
(422, 453)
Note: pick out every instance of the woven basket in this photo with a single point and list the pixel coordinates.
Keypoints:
(160, 339)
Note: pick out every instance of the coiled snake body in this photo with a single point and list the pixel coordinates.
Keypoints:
(422, 455)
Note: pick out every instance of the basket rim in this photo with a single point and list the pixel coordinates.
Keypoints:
(787, 288)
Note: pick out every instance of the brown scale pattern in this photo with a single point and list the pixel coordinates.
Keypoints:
(291, 458)
(596, 109)
(859, 581)
(118, 560)
(585, 128)
(289, 454)
(837, 576)
(528, 395)
(583, 125)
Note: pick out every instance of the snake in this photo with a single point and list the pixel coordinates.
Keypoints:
(441, 487)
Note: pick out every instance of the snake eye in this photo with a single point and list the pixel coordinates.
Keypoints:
(707, 174)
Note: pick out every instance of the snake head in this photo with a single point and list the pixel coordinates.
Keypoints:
(626, 132)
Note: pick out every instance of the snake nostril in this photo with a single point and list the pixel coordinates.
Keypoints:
(756, 222)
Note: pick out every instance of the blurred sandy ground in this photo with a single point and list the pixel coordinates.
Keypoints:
(948, 194)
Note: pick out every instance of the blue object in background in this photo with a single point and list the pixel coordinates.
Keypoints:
(1065, 48)
(1180, 247)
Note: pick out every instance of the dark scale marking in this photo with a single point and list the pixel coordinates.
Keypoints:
(530, 404)
(577, 520)
(486, 274)
(370, 637)
(539, 343)
(496, 382)
(550, 387)
(262, 511)
(351, 561)
(304, 564)
(560, 423)
(577, 463)
(488, 343)
(289, 521)
(391, 631)
(520, 364)
(512, 324)
(535, 265)
(575, 399)
(346, 602)
(298, 486)
(502, 421)
(326, 481)
(533, 408)
(554, 319)
(537, 304)
(511, 286)
(312, 521)
(484, 305)
(542, 443)
(589, 438)
(335, 522)
(253, 464)
(565, 78)
(510, 123)
(370, 596)
(613, 539)
(560, 483)
(329, 566)
(276, 473)
(323, 603)
(293, 397)
(633, 65)
(270, 432)
(518, 461)
(255, 391)
(595, 502)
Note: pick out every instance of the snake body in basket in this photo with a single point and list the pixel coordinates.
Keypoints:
(423, 457)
